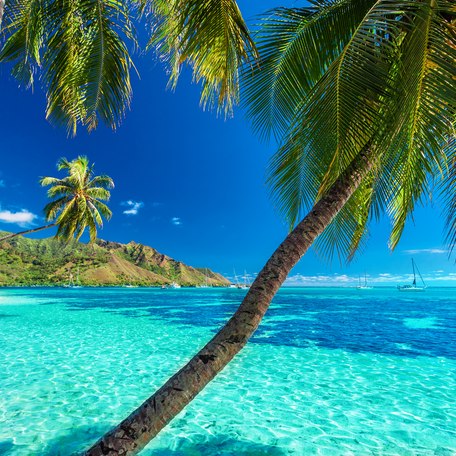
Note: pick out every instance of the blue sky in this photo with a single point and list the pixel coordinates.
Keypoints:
(191, 185)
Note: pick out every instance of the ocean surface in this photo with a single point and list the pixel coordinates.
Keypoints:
(329, 372)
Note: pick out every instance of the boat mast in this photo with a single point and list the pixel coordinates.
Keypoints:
(236, 277)
(419, 273)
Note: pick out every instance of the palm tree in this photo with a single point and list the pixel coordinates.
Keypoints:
(361, 95)
(81, 51)
(78, 204)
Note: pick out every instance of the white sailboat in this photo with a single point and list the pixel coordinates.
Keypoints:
(246, 284)
(238, 284)
(363, 286)
(413, 287)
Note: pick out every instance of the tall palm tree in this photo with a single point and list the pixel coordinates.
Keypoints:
(81, 51)
(78, 204)
(361, 95)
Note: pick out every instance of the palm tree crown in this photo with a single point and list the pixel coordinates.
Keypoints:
(343, 76)
(81, 50)
(78, 204)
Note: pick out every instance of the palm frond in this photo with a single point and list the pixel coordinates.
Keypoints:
(107, 91)
(63, 164)
(52, 209)
(102, 181)
(348, 232)
(296, 47)
(45, 181)
(66, 216)
(428, 105)
(58, 190)
(212, 37)
(342, 113)
(95, 215)
(98, 193)
(448, 188)
(81, 47)
(102, 208)
(64, 69)
(24, 25)
(92, 228)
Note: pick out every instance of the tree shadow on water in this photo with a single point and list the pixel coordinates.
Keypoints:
(74, 442)
(218, 446)
(6, 447)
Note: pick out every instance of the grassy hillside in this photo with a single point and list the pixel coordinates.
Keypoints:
(49, 262)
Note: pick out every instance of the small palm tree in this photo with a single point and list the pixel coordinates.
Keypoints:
(78, 204)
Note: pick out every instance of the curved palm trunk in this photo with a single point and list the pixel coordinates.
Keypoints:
(2, 7)
(34, 230)
(133, 434)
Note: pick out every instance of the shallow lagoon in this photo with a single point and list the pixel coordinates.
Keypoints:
(330, 372)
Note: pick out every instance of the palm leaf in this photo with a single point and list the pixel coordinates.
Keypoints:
(98, 192)
(58, 190)
(102, 208)
(102, 181)
(428, 104)
(212, 37)
(54, 207)
(448, 188)
(296, 47)
(342, 113)
(107, 92)
(24, 25)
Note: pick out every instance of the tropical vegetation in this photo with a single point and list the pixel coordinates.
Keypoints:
(78, 201)
(359, 93)
(51, 262)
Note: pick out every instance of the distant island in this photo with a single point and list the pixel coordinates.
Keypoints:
(49, 262)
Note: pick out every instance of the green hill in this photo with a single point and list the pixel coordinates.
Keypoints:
(50, 262)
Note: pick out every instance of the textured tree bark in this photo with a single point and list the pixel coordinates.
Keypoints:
(34, 230)
(133, 434)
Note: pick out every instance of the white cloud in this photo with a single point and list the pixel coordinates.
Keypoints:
(176, 221)
(317, 280)
(21, 218)
(431, 251)
(133, 207)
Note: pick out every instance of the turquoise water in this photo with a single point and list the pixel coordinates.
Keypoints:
(330, 372)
